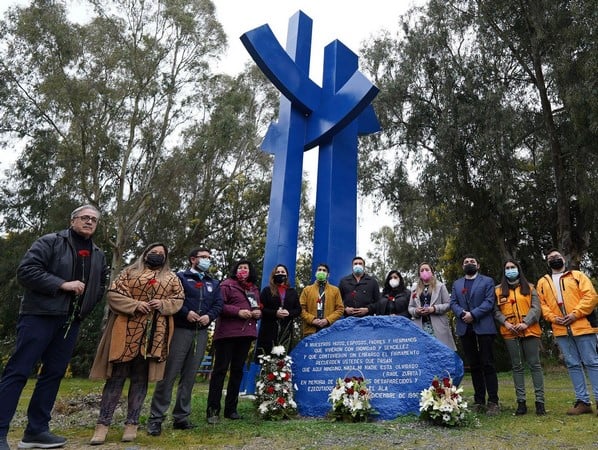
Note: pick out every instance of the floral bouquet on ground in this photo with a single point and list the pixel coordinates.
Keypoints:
(350, 400)
(274, 387)
(442, 404)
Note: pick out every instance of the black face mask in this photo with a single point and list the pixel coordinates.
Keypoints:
(280, 278)
(154, 260)
(470, 269)
(556, 264)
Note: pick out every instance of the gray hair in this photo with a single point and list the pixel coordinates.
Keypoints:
(81, 208)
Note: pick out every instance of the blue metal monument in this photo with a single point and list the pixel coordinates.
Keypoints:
(331, 117)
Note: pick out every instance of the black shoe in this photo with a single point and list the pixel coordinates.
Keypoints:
(233, 416)
(46, 439)
(154, 428)
(521, 409)
(540, 411)
(213, 416)
(183, 425)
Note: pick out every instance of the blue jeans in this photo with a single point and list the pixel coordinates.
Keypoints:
(580, 351)
(39, 338)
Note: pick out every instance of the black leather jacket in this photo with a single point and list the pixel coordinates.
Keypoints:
(50, 262)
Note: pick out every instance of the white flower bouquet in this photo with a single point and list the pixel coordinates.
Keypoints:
(350, 400)
(442, 404)
(274, 388)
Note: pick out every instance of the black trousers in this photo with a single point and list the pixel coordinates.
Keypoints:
(479, 354)
(230, 355)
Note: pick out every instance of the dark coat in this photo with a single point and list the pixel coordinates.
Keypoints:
(47, 265)
(201, 295)
(479, 302)
(270, 326)
(396, 303)
(360, 294)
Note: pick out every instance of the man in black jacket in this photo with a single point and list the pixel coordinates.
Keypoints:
(360, 291)
(64, 276)
(203, 303)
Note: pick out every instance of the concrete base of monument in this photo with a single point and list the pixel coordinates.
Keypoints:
(397, 359)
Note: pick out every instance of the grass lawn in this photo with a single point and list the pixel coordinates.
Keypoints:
(76, 412)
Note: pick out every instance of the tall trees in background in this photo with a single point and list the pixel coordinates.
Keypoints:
(489, 109)
(124, 111)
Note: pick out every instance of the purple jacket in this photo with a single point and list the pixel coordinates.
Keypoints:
(229, 324)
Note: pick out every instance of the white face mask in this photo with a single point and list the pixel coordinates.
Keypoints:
(394, 282)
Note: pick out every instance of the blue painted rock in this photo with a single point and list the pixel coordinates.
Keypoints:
(397, 359)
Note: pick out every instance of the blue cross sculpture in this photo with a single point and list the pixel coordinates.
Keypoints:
(330, 117)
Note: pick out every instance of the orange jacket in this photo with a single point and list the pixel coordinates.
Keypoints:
(579, 298)
(518, 308)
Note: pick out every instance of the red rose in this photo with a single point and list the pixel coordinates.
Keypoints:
(280, 364)
(280, 401)
(84, 253)
(350, 391)
(198, 285)
(414, 295)
(287, 376)
(271, 376)
(152, 281)
(391, 298)
(464, 291)
(512, 301)
(446, 382)
(270, 390)
(347, 380)
(362, 392)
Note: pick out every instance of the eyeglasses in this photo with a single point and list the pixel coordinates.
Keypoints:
(87, 219)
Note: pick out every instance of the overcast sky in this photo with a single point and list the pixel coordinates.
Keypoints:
(350, 21)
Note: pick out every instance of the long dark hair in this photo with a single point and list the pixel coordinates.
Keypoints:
(524, 286)
(273, 285)
(387, 289)
(252, 278)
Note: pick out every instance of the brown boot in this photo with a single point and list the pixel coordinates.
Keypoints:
(99, 435)
(130, 432)
(580, 408)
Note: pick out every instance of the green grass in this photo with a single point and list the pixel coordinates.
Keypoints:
(75, 419)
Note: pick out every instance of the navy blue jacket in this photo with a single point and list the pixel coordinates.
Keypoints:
(479, 302)
(201, 295)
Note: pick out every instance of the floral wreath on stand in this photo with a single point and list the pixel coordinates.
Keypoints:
(274, 387)
(350, 399)
(442, 404)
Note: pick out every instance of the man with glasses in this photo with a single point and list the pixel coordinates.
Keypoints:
(64, 276)
(203, 303)
(568, 300)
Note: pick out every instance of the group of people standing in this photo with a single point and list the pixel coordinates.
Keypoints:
(157, 327)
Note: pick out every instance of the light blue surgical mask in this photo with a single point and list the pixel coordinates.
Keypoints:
(204, 264)
(512, 274)
(357, 269)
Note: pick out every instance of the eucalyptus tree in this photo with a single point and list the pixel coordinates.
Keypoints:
(467, 145)
(100, 105)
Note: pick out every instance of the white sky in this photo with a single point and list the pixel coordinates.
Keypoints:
(350, 21)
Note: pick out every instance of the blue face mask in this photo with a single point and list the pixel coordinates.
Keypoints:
(357, 269)
(512, 274)
(204, 264)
